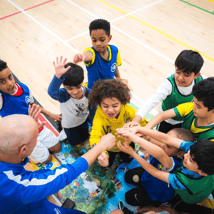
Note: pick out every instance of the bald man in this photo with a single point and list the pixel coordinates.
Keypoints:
(23, 191)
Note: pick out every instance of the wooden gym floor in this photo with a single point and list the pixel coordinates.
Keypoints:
(149, 34)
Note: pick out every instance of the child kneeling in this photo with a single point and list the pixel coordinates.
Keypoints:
(150, 190)
(193, 180)
(111, 97)
(73, 100)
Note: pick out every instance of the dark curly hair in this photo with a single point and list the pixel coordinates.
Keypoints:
(109, 88)
(100, 24)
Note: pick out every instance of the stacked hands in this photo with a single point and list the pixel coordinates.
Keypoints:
(128, 133)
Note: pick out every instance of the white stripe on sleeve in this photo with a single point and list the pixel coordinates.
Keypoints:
(34, 181)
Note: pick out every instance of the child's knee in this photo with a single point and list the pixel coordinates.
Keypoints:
(56, 148)
(48, 159)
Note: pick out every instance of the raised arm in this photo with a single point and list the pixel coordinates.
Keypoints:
(54, 87)
(147, 166)
(161, 117)
(86, 57)
(151, 148)
(106, 142)
(59, 66)
(159, 136)
(49, 182)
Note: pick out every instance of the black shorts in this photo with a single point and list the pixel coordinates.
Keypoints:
(77, 134)
(126, 158)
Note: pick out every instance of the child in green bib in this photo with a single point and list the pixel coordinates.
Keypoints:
(198, 117)
(174, 90)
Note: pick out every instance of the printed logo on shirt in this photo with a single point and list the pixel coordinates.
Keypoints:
(127, 120)
(107, 130)
(113, 67)
(27, 100)
(81, 110)
(162, 167)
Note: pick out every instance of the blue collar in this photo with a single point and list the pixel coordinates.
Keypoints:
(191, 174)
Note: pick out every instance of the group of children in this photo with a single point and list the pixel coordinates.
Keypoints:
(182, 160)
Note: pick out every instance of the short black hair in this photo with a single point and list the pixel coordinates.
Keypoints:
(189, 61)
(100, 24)
(184, 134)
(204, 91)
(202, 152)
(109, 88)
(3, 65)
(74, 76)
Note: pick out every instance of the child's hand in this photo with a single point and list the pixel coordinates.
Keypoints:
(130, 124)
(55, 117)
(108, 141)
(125, 148)
(126, 142)
(78, 58)
(126, 133)
(60, 67)
(34, 111)
(103, 159)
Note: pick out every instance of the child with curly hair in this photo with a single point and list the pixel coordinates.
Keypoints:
(111, 97)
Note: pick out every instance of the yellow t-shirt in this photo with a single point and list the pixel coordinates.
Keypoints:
(103, 125)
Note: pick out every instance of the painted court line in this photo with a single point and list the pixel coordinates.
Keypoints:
(200, 8)
(124, 33)
(26, 9)
(48, 124)
(127, 14)
(159, 31)
(44, 27)
(69, 46)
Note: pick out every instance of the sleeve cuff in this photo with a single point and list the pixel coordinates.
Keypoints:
(61, 78)
(176, 111)
(172, 167)
(185, 145)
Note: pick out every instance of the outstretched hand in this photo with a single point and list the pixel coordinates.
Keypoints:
(55, 117)
(59, 66)
(131, 124)
(34, 111)
(78, 58)
(126, 133)
(125, 148)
